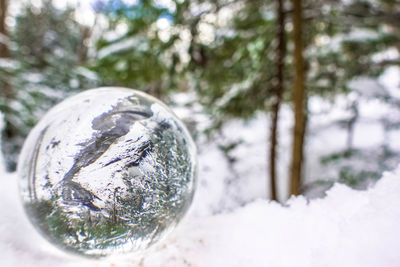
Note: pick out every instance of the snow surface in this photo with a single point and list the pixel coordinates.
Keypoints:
(346, 228)
(231, 225)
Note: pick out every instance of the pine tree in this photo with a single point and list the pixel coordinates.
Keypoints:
(137, 58)
(352, 40)
(46, 69)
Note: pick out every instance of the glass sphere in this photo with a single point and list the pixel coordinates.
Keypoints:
(109, 170)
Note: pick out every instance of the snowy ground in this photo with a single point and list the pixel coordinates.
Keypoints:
(230, 222)
(346, 228)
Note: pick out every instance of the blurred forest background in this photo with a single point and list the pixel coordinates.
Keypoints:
(283, 97)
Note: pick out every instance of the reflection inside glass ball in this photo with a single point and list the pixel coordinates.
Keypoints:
(107, 171)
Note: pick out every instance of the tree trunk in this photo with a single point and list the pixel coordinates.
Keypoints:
(350, 125)
(279, 88)
(4, 51)
(3, 29)
(6, 89)
(299, 101)
(83, 48)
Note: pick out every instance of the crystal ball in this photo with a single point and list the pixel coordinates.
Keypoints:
(109, 170)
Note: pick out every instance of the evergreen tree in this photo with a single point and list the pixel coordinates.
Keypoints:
(46, 69)
(347, 41)
(139, 57)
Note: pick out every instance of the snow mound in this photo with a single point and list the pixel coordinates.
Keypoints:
(346, 228)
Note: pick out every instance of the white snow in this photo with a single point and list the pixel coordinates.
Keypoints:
(236, 90)
(391, 80)
(10, 64)
(137, 43)
(346, 228)
(231, 224)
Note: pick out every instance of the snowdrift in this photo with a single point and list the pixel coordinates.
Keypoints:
(346, 228)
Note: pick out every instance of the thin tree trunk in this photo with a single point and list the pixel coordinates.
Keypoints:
(350, 126)
(82, 48)
(299, 100)
(3, 29)
(279, 88)
(4, 51)
(6, 90)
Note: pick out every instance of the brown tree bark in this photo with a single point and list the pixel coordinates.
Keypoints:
(299, 101)
(3, 28)
(279, 88)
(4, 51)
(83, 48)
(6, 89)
